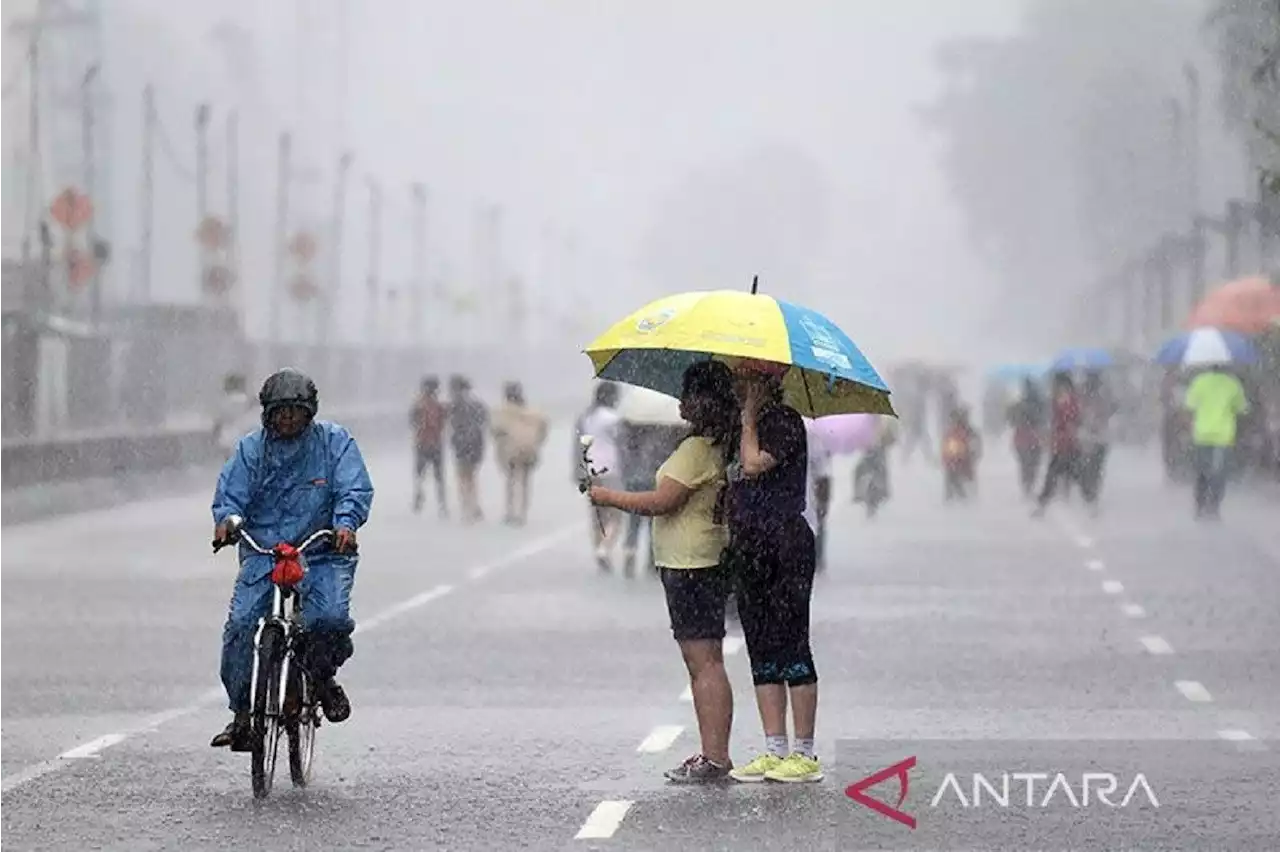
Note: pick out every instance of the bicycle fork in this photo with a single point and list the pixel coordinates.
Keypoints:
(280, 626)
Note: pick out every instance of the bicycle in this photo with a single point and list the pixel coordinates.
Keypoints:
(282, 694)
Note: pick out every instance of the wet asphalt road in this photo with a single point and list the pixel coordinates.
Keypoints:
(508, 695)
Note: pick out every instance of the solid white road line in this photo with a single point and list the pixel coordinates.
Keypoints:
(1094, 565)
(604, 820)
(1156, 645)
(1113, 587)
(660, 739)
(1193, 690)
(150, 723)
(1134, 610)
(733, 644)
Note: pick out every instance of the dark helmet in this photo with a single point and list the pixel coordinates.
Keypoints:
(288, 387)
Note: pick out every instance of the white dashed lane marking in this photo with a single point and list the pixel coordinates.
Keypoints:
(1094, 565)
(1193, 690)
(1156, 645)
(1113, 587)
(660, 739)
(604, 820)
(1134, 610)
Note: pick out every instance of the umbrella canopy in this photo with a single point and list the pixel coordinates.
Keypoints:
(822, 371)
(1247, 305)
(1082, 358)
(1205, 346)
(644, 407)
(845, 433)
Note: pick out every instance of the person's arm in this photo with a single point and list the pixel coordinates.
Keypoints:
(769, 441)
(352, 486)
(669, 497)
(686, 470)
(232, 494)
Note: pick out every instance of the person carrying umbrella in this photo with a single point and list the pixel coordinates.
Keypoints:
(790, 362)
(1097, 407)
(1064, 440)
(1216, 399)
(1027, 417)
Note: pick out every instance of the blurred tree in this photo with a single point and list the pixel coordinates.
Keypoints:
(1247, 38)
(767, 213)
(1064, 144)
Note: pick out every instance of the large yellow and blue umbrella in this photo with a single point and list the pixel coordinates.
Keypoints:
(825, 373)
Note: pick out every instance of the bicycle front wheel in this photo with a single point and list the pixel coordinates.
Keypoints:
(265, 723)
(301, 730)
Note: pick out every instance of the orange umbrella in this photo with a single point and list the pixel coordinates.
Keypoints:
(1247, 305)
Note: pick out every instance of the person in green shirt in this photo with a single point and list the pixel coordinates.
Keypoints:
(1216, 400)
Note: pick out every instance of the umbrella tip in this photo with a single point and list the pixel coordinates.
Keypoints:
(755, 284)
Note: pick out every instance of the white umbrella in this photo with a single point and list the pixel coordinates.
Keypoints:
(646, 407)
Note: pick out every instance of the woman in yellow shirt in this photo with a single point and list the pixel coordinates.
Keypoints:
(688, 538)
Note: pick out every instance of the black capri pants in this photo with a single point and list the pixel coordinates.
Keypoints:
(774, 582)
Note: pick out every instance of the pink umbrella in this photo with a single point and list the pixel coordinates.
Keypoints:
(842, 434)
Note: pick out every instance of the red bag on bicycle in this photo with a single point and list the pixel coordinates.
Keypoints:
(288, 569)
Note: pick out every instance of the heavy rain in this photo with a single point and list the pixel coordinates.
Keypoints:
(641, 424)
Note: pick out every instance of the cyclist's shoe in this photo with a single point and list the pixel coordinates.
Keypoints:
(235, 735)
(333, 700)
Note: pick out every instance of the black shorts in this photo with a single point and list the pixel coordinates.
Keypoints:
(696, 599)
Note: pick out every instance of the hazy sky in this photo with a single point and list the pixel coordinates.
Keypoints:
(580, 115)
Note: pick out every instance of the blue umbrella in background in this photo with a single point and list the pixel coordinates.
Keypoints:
(1204, 346)
(1082, 358)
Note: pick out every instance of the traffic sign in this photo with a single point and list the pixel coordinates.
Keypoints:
(71, 209)
(303, 246)
(212, 233)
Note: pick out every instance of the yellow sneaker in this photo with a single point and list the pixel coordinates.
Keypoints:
(755, 771)
(796, 769)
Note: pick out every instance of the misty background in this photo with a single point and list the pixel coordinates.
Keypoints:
(946, 180)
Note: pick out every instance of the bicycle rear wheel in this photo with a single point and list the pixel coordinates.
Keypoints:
(265, 723)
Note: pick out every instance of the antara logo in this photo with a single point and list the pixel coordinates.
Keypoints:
(1039, 790)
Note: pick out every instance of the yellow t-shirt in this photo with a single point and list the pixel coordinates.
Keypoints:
(690, 537)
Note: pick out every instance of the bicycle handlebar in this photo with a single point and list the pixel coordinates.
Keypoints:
(236, 534)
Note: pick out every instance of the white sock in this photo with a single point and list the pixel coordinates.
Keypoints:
(805, 746)
(777, 746)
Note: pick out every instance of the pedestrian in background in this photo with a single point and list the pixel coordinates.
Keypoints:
(519, 432)
(1064, 440)
(428, 417)
(236, 415)
(1097, 407)
(774, 555)
(1028, 418)
(1216, 400)
(468, 422)
(602, 422)
(689, 541)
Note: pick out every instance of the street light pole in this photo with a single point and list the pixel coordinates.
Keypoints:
(91, 229)
(282, 230)
(147, 196)
(419, 236)
(202, 189)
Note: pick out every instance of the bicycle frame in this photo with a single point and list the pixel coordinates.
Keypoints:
(283, 616)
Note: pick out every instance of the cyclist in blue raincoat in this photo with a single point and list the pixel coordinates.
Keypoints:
(288, 479)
